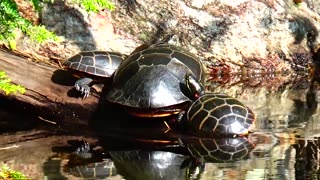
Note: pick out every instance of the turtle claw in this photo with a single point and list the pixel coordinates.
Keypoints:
(84, 89)
(82, 85)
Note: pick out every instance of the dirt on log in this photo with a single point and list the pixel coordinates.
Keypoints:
(49, 100)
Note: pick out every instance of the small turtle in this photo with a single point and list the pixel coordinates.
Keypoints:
(150, 82)
(93, 66)
(215, 114)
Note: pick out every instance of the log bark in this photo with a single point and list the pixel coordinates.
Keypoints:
(49, 98)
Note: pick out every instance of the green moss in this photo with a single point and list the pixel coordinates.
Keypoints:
(7, 87)
(95, 5)
(11, 21)
(40, 34)
(36, 5)
(7, 173)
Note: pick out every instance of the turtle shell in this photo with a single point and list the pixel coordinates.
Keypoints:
(152, 82)
(219, 115)
(97, 63)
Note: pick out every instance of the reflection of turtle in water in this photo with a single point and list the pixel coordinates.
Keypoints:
(80, 161)
(170, 163)
(210, 150)
(146, 164)
(173, 162)
(219, 149)
(95, 170)
(149, 83)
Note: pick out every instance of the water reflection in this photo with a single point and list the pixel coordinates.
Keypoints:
(95, 170)
(144, 164)
(156, 160)
(307, 158)
(220, 149)
(278, 101)
(285, 142)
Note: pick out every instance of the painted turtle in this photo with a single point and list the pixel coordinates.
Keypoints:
(216, 114)
(92, 66)
(150, 83)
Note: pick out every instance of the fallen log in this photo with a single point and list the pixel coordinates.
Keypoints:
(49, 98)
(50, 101)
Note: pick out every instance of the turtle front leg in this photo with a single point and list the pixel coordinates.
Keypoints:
(82, 85)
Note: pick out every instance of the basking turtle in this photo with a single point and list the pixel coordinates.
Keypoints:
(215, 114)
(151, 82)
(92, 66)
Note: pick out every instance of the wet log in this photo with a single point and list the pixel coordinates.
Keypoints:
(49, 100)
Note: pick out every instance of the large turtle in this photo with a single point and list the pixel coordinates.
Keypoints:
(151, 83)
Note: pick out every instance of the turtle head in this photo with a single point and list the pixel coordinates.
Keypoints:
(194, 86)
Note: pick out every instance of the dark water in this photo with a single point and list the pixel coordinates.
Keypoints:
(283, 145)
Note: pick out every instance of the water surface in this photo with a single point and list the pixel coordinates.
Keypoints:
(284, 143)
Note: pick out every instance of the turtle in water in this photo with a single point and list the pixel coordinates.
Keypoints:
(213, 114)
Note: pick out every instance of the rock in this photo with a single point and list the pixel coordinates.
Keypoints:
(248, 36)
